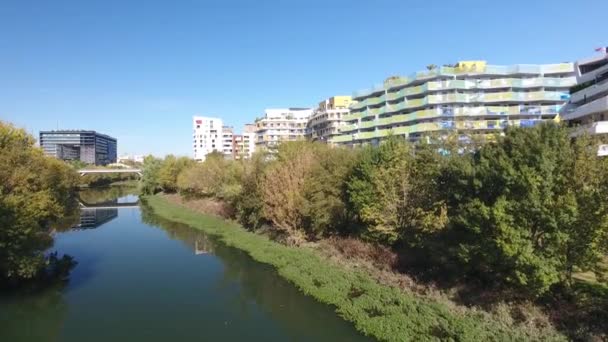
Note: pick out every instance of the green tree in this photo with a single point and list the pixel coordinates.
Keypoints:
(34, 191)
(150, 182)
(535, 208)
(388, 199)
(169, 171)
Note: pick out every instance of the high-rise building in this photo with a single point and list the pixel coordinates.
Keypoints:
(281, 124)
(326, 120)
(588, 106)
(244, 144)
(87, 146)
(227, 143)
(470, 97)
(207, 137)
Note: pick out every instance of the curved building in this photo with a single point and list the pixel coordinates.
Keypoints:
(470, 97)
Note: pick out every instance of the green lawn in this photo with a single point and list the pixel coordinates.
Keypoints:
(386, 313)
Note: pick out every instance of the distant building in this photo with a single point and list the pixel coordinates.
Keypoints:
(87, 146)
(227, 135)
(325, 122)
(588, 106)
(467, 98)
(243, 145)
(281, 124)
(207, 136)
(131, 158)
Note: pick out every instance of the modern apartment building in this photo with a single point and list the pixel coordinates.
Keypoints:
(227, 142)
(326, 120)
(244, 144)
(470, 97)
(87, 146)
(207, 137)
(588, 106)
(281, 124)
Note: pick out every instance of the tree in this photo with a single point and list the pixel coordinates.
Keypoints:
(34, 191)
(431, 67)
(150, 183)
(169, 171)
(388, 200)
(536, 208)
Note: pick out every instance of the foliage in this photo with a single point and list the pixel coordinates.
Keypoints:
(523, 211)
(391, 191)
(34, 191)
(534, 208)
(169, 171)
(382, 312)
(248, 203)
(150, 182)
(215, 177)
(302, 189)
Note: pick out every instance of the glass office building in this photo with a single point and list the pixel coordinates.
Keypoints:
(87, 146)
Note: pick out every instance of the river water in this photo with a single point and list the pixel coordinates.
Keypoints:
(141, 278)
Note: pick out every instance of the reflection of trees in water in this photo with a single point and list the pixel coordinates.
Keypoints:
(194, 239)
(260, 284)
(33, 315)
(103, 195)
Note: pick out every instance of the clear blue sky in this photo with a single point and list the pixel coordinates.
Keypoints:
(139, 70)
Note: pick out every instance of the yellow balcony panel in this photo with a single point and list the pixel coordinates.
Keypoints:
(400, 118)
(348, 128)
(385, 121)
(558, 68)
(383, 133)
(400, 130)
(341, 138)
(367, 124)
(396, 82)
(366, 135)
(375, 101)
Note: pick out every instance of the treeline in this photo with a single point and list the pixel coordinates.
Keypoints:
(34, 192)
(524, 212)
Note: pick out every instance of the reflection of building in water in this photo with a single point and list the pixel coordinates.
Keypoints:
(202, 245)
(93, 218)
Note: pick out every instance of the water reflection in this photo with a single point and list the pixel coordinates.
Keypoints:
(94, 218)
(98, 206)
(260, 284)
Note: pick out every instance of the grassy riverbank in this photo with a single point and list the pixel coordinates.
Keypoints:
(383, 312)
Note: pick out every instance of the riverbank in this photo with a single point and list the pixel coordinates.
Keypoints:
(376, 310)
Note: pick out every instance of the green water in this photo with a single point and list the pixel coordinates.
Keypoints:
(140, 278)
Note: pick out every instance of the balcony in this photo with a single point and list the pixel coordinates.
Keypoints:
(600, 127)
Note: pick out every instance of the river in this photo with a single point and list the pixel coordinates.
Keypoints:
(141, 278)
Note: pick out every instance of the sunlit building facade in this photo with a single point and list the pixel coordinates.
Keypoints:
(325, 122)
(281, 124)
(469, 97)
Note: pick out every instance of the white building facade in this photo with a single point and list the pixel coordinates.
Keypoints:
(281, 124)
(227, 142)
(207, 136)
(587, 110)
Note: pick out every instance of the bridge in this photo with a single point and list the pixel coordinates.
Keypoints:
(107, 205)
(98, 171)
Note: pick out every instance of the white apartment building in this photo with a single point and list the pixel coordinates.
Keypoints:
(281, 124)
(227, 142)
(325, 122)
(588, 106)
(244, 144)
(207, 137)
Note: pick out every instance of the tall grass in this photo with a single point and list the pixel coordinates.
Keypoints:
(383, 312)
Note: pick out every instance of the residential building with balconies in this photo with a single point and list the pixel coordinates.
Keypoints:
(281, 124)
(227, 145)
(470, 97)
(325, 122)
(207, 136)
(587, 109)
